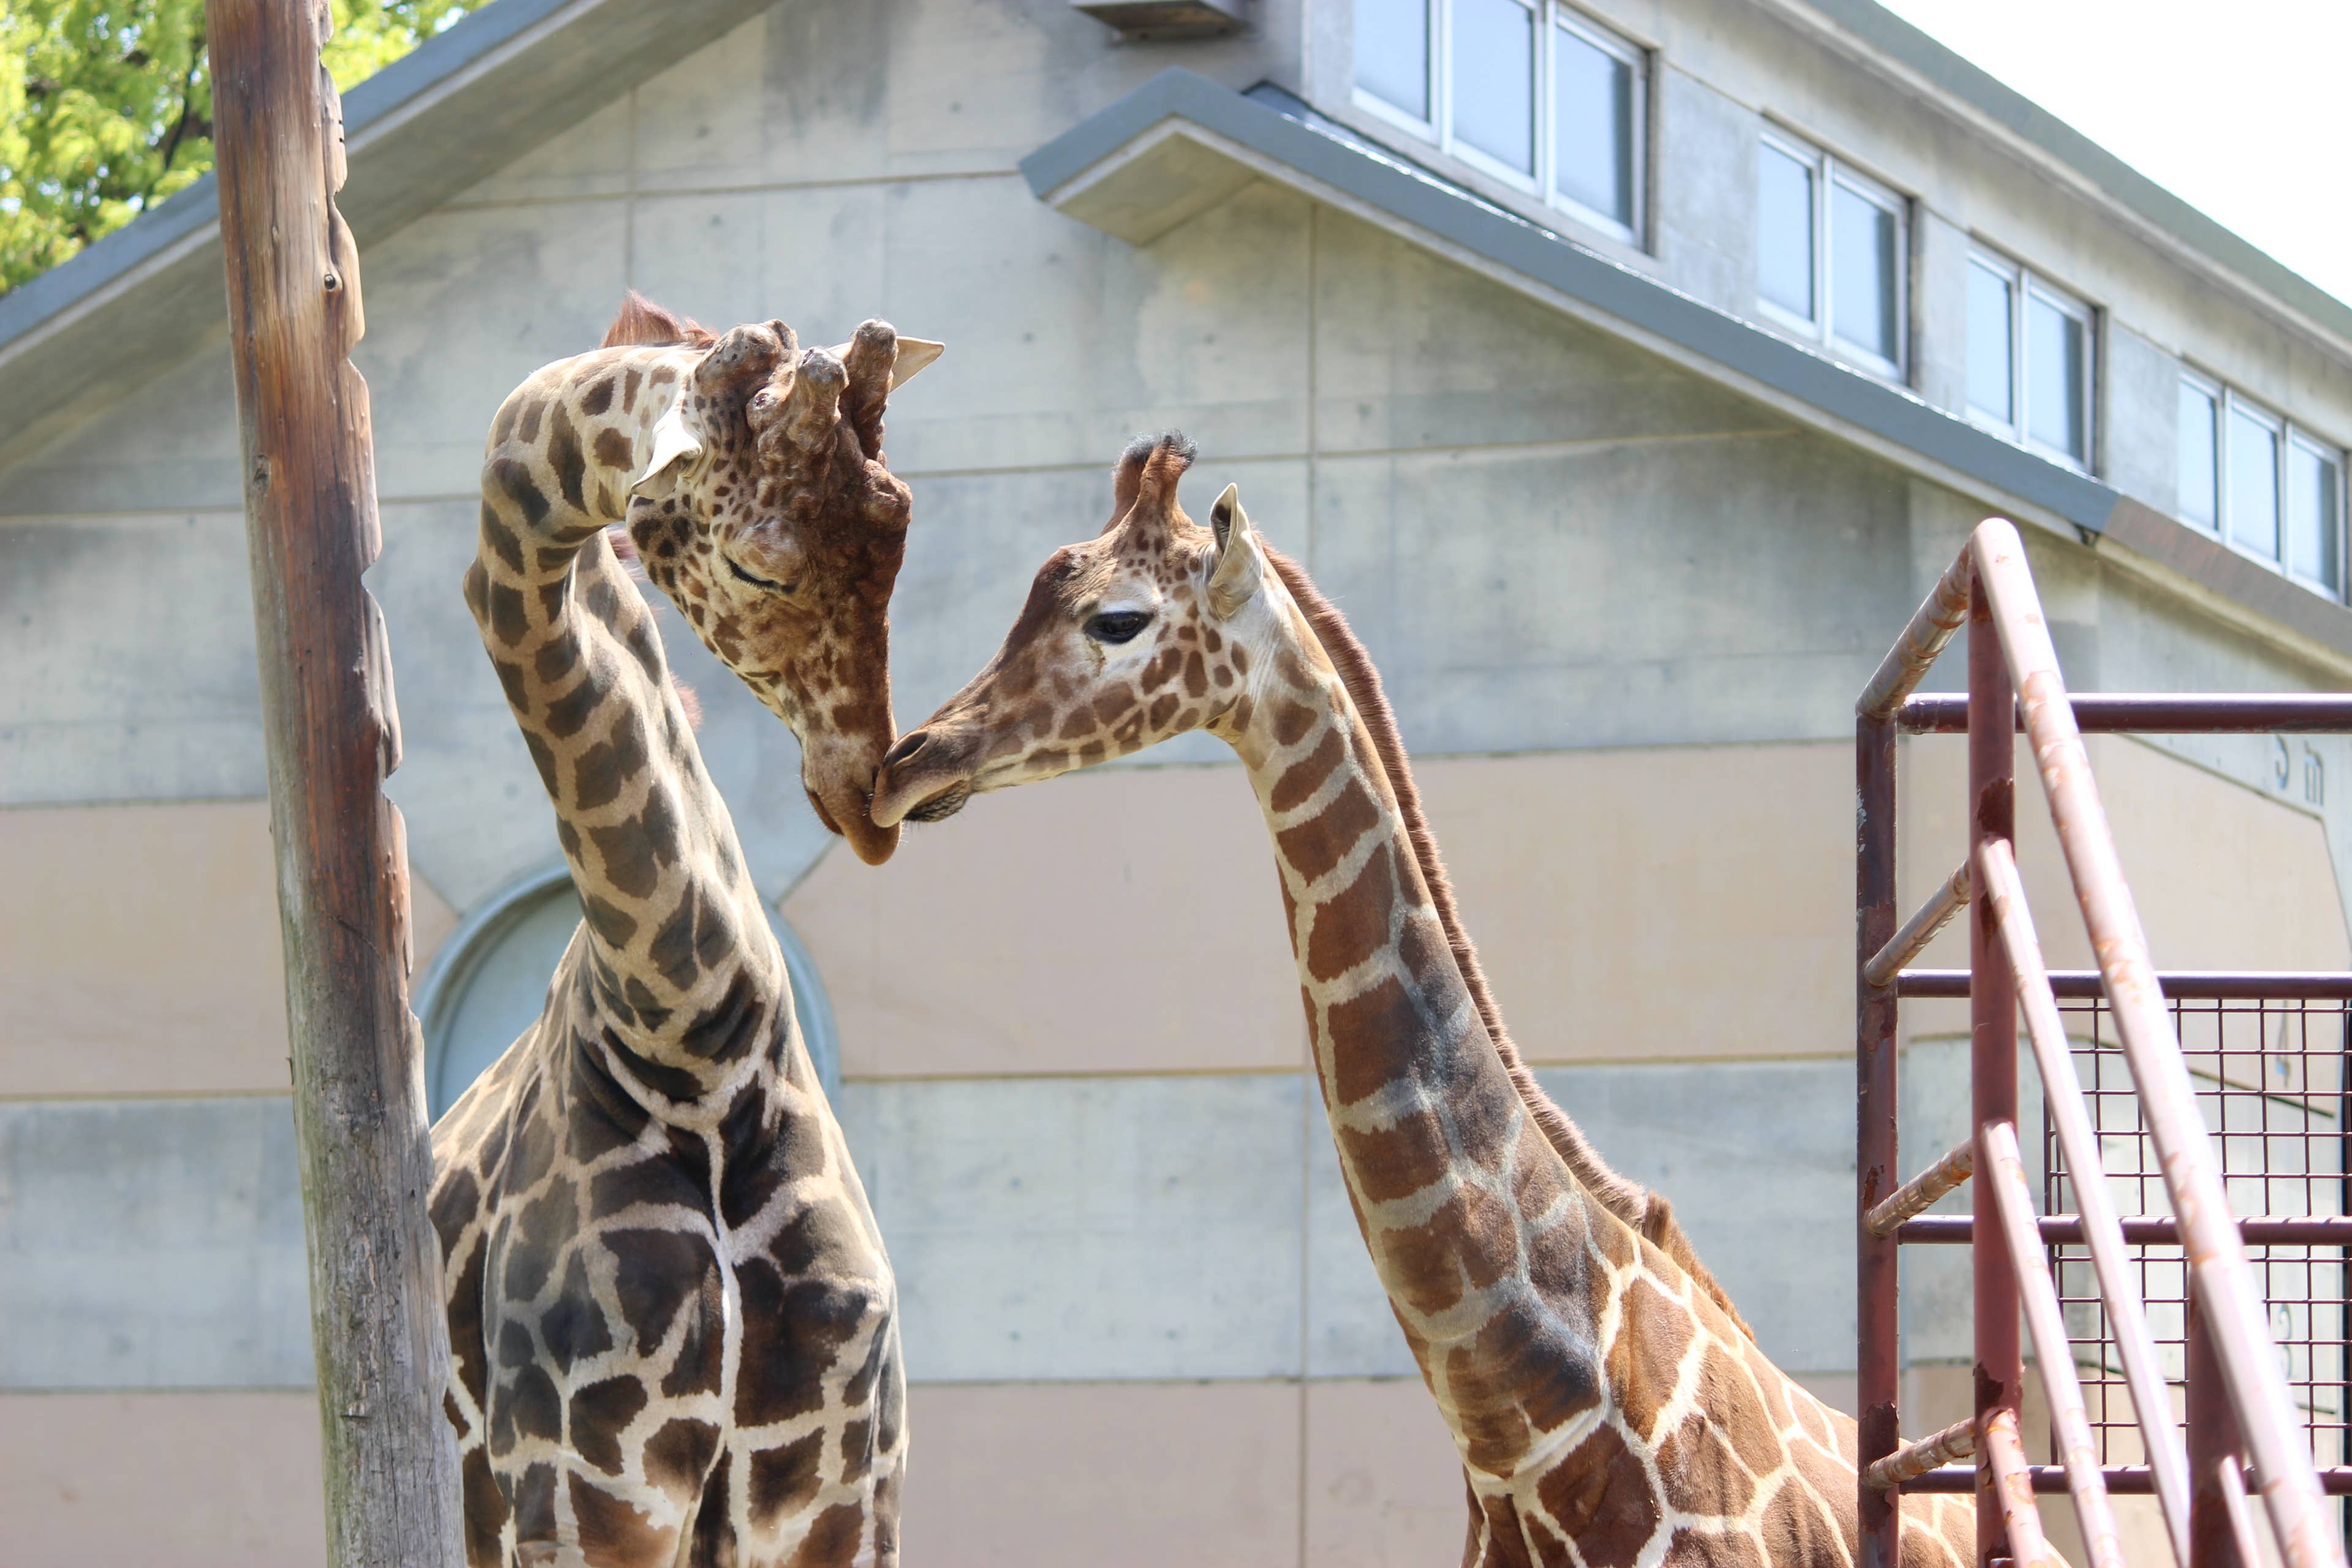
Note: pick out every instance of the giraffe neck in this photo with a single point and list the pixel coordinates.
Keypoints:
(681, 970)
(1485, 1242)
(1596, 1390)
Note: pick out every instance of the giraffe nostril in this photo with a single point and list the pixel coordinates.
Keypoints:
(908, 744)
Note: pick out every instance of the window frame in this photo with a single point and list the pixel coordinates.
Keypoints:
(2227, 400)
(2025, 285)
(1829, 172)
(1551, 17)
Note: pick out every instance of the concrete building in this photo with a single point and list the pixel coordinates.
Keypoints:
(1626, 369)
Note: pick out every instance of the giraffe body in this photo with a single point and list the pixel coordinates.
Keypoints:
(673, 1323)
(1608, 1407)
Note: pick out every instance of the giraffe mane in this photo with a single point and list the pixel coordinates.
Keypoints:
(643, 323)
(1648, 1212)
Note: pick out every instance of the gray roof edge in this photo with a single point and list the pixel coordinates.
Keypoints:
(1889, 35)
(1405, 191)
(24, 309)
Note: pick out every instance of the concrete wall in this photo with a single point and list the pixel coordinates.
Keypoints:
(1622, 614)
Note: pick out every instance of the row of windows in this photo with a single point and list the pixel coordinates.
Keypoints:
(1540, 96)
(1524, 91)
(2251, 477)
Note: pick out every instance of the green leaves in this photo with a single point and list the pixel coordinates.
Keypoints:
(106, 109)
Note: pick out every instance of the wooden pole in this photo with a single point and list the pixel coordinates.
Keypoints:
(332, 734)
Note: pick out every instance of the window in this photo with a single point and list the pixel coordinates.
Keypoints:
(2028, 359)
(1830, 253)
(2271, 490)
(1528, 92)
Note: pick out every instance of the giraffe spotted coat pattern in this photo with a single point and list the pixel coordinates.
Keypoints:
(1608, 1407)
(673, 1324)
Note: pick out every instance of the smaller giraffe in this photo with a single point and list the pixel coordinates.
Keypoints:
(1610, 1408)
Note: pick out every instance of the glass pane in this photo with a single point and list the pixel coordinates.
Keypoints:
(2055, 383)
(2200, 462)
(1392, 52)
(1861, 272)
(2311, 520)
(1784, 231)
(2253, 485)
(1992, 387)
(1592, 116)
(1495, 81)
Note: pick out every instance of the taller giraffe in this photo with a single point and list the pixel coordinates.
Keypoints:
(673, 1325)
(1608, 1407)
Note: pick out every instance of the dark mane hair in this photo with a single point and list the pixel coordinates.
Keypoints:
(1648, 1212)
(641, 322)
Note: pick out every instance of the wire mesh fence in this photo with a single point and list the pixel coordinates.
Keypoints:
(2270, 1076)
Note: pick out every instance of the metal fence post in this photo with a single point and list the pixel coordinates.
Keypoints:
(1992, 1029)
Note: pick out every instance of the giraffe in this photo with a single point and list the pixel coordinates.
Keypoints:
(673, 1324)
(1608, 1405)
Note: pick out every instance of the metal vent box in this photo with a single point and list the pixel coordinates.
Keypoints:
(1167, 19)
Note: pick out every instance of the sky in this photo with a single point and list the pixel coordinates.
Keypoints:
(2242, 109)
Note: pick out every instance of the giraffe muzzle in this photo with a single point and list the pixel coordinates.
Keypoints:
(921, 780)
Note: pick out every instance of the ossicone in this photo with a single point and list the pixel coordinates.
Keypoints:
(744, 357)
(1147, 471)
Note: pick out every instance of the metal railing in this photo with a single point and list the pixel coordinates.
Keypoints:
(2208, 1328)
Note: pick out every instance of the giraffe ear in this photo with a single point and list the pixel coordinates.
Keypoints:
(675, 449)
(1236, 574)
(915, 354)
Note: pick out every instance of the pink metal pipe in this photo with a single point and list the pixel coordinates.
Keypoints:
(2103, 1232)
(2004, 1173)
(2002, 1453)
(2224, 1285)
(1932, 625)
(1992, 1065)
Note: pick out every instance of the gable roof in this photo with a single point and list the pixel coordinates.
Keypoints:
(459, 107)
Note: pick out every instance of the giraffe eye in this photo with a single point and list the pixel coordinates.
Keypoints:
(1117, 626)
(772, 586)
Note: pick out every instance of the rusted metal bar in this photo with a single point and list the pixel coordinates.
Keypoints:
(1932, 625)
(2157, 713)
(1945, 1175)
(2180, 985)
(1992, 1077)
(2102, 1232)
(1957, 1441)
(2220, 1533)
(1920, 929)
(2217, 1260)
(2006, 1481)
(1877, 1348)
(2066, 1229)
(2054, 1354)
(2122, 1480)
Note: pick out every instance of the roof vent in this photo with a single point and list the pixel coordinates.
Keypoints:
(1167, 19)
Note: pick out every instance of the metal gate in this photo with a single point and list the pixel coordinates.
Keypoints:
(2190, 1237)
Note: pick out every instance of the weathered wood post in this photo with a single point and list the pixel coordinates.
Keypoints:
(332, 734)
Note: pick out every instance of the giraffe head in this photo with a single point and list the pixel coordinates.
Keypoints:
(1154, 628)
(767, 516)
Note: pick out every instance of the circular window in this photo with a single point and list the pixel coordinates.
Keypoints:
(489, 982)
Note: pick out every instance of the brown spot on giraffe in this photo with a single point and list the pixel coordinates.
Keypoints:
(655, 1157)
(1610, 1407)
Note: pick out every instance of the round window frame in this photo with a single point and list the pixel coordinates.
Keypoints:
(476, 937)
